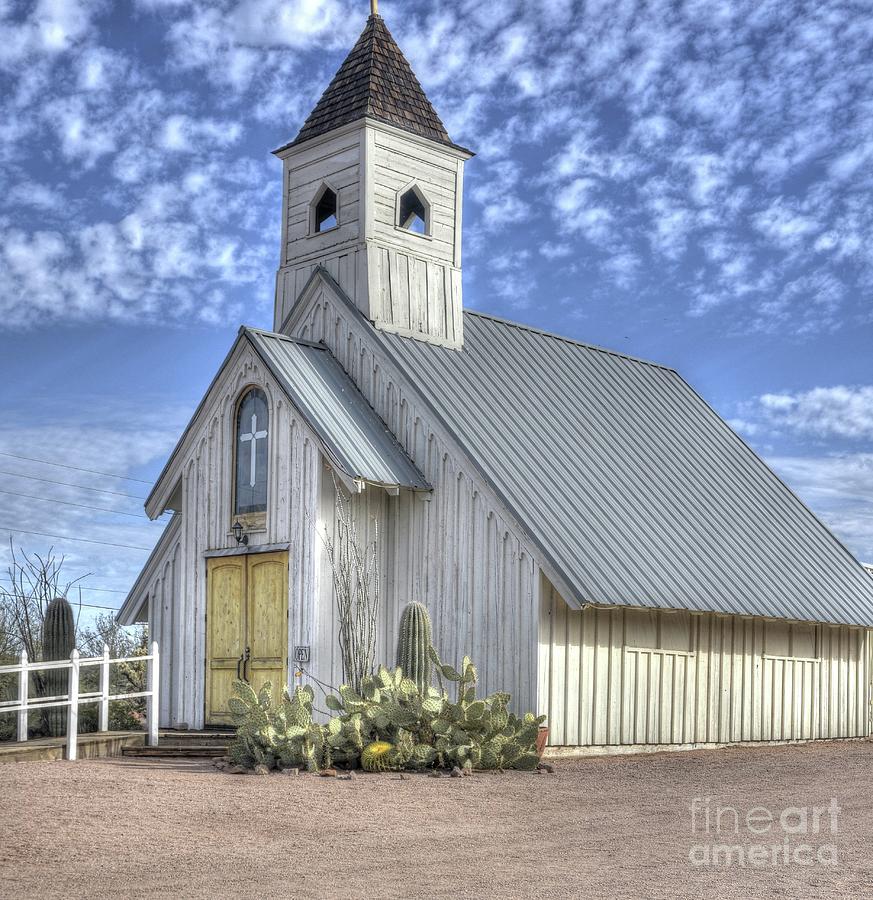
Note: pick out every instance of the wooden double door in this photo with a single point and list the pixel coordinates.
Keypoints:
(246, 626)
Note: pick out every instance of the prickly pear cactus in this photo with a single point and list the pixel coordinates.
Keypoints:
(58, 642)
(413, 645)
(270, 733)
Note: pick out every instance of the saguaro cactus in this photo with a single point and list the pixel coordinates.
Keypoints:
(413, 645)
(58, 642)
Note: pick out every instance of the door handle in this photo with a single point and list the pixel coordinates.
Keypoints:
(239, 663)
(246, 657)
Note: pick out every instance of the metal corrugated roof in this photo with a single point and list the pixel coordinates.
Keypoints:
(351, 433)
(636, 492)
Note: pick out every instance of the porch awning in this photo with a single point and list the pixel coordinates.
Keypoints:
(353, 436)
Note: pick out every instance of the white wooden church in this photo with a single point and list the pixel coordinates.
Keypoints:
(579, 521)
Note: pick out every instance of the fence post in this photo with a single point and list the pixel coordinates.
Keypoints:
(73, 709)
(23, 680)
(153, 708)
(104, 691)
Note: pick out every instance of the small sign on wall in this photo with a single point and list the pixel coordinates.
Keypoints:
(301, 654)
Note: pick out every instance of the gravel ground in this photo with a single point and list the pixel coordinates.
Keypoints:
(601, 827)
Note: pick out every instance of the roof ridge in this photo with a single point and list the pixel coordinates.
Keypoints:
(303, 342)
(568, 340)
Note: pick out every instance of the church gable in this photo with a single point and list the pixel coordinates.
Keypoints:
(241, 371)
(263, 374)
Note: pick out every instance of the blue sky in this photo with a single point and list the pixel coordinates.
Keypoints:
(688, 182)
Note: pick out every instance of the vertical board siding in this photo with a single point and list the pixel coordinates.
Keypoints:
(401, 281)
(598, 688)
(177, 594)
(455, 551)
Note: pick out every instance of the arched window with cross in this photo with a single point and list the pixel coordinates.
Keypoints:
(252, 456)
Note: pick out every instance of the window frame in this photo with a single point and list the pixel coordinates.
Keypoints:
(252, 521)
(817, 637)
(428, 211)
(323, 188)
(658, 612)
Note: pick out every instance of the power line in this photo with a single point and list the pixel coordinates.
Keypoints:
(66, 537)
(116, 512)
(77, 468)
(84, 487)
(85, 587)
(89, 605)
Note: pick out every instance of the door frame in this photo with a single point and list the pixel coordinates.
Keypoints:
(257, 550)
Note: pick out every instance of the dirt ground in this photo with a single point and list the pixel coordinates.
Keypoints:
(601, 827)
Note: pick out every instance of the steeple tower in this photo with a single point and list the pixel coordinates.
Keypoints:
(373, 187)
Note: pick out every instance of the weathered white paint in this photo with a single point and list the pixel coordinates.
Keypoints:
(103, 713)
(460, 553)
(174, 578)
(605, 677)
(618, 676)
(74, 697)
(401, 281)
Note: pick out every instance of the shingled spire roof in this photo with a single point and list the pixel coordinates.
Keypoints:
(375, 81)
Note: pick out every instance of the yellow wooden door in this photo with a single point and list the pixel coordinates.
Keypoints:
(247, 626)
(267, 619)
(226, 627)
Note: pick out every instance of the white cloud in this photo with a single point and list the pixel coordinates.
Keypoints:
(38, 196)
(128, 435)
(182, 133)
(555, 249)
(823, 412)
(722, 149)
(838, 488)
(170, 258)
(50, 27)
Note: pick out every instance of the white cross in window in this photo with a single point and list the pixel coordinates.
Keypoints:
(254, 436)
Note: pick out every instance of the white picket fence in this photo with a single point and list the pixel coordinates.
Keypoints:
(71, 701)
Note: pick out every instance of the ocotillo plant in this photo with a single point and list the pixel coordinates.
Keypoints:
(354, 562)
(413, 645)
(58, 642)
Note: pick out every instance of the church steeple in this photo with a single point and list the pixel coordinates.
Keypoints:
(375, 81)
(373, 189)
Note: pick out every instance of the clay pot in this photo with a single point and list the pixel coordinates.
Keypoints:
(542, 737)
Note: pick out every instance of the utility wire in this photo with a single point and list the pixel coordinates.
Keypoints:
(84, 587)
(83, 487)
(66, 537)
(89, 605)
(115, 512)
(77, 468)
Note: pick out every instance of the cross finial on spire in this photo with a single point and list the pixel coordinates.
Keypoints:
(374, 7)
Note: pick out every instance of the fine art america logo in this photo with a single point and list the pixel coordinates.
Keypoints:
(759, 837)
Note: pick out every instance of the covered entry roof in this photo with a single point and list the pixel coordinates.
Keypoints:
(636, 492)
(354, 438)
